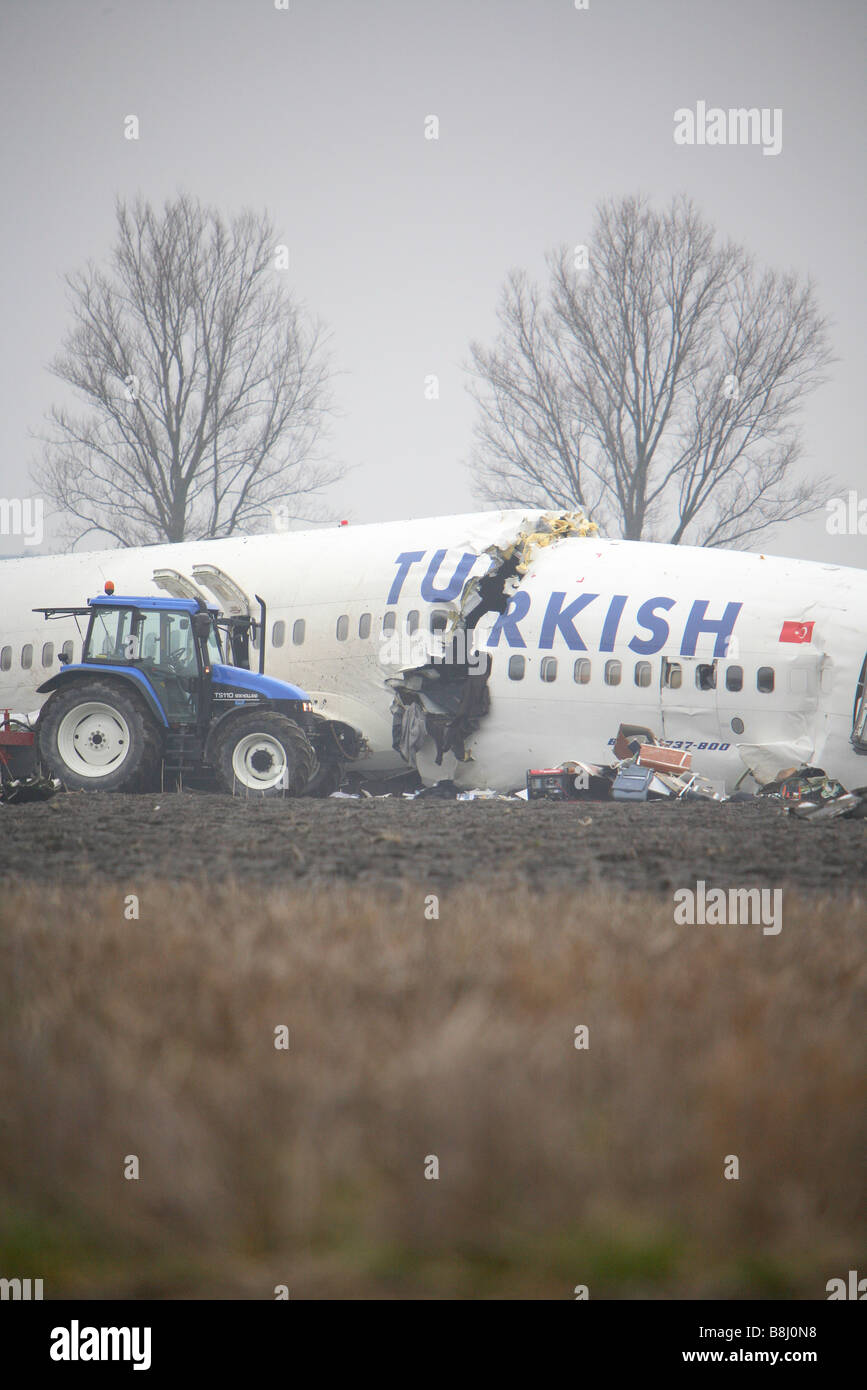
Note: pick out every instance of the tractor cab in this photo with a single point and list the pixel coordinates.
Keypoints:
(174, 643)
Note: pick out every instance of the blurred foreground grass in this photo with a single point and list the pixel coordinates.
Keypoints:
(410, 1038)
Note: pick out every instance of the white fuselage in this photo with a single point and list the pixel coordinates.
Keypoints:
(684, 641)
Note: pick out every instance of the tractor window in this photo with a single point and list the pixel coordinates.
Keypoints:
(110, 633)
(183, 645)
(154, 638)
(214, 647)
(165, 639)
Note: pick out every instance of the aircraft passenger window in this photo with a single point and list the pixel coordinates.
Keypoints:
(412, 621)
(342, 628)
(298, 628)
(67, 650)
(735, 678)
(705, 677)
(516, 668)
(389, 622)
(582, 671)
(5, 658)
(642, 673)
(548, 669)
(48, 654)
(364, 625)
(765, 679)
(439, 620)
(27, 657)
(672, 675)
(278, 636)
(612, 672)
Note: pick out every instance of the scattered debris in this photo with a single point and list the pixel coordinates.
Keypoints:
(633, 783)
(629, 740)
(811, 795)
(663, 759)
(571, 781)
(814, 811)
(645, 770)
(440, 791)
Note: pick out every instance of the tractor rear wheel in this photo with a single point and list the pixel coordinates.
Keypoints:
(267, 754)
(94, 736)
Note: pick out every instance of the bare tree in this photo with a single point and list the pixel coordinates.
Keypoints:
(207, 388)
(657, 388)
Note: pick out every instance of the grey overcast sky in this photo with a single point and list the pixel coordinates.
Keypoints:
(401, 244)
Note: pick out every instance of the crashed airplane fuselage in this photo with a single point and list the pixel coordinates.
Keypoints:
(474, 647)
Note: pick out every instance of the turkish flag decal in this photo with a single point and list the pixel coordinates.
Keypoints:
(797, 632)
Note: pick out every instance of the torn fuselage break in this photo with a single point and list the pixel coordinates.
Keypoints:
(440, 702)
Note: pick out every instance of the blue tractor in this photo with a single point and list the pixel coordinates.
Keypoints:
(152, 694)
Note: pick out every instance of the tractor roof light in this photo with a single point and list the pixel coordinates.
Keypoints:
(109, 586)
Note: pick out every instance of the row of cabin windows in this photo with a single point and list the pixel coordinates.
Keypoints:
(672, 673)
(705, 675)
(26, 660)
(438, 623)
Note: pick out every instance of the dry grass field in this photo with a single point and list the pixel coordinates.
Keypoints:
(409, 1038)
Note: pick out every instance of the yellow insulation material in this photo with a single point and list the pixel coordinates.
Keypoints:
(553, 528)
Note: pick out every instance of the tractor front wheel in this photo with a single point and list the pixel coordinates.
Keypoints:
(267, 754)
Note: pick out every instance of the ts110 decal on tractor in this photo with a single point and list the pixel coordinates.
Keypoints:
(152, 691)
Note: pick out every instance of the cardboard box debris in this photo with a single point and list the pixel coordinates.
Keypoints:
(664, 759)
(629, 740)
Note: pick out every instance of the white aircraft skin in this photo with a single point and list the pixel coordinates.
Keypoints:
(642, 605)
